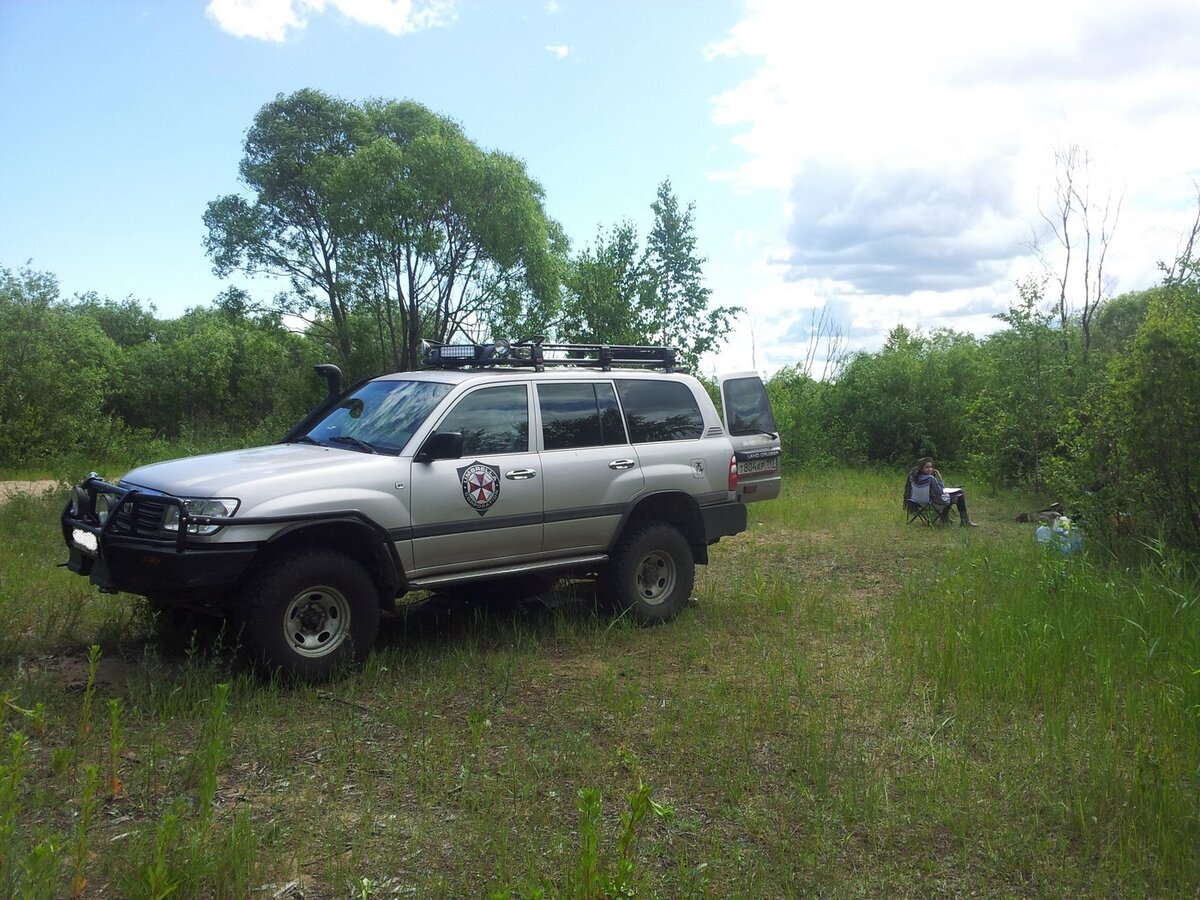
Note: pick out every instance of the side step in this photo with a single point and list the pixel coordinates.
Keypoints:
(563, 564)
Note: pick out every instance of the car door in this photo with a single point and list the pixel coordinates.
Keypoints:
(485, 507)
(590, 470)
(751, 428)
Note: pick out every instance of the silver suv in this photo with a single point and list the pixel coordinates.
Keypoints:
(497, 464)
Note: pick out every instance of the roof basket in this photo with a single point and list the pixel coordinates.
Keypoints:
(534, 353)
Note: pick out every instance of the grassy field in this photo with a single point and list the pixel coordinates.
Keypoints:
(851, 707)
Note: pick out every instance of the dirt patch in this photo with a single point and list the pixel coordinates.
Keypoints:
(71, 670)
(10, 489)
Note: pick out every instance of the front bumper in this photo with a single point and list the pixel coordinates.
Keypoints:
(116, 557)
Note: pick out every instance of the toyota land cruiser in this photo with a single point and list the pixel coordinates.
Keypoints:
(497, 461)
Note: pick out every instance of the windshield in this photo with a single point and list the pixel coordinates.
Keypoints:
(379, 417)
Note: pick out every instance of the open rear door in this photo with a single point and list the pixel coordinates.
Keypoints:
(751, 428)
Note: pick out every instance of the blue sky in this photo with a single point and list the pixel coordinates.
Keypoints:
(889, 165)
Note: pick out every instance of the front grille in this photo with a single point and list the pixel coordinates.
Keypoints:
(140, 515)
(148, 515)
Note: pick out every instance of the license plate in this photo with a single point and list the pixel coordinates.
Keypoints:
(85, 541)
(751, 466)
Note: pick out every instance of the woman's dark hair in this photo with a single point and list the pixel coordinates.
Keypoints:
(924, 459)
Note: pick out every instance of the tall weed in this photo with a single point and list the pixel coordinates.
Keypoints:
(1089, 666)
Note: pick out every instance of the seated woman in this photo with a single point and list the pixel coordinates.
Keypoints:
(925, 474)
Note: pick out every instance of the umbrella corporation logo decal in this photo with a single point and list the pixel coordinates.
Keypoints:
(480, 486)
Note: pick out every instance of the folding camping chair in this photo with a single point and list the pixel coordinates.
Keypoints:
(920, 505)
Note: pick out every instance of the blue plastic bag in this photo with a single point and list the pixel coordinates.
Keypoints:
(1063, 535)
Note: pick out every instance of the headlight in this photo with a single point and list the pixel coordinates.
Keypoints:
(104, 505)
(203, 507)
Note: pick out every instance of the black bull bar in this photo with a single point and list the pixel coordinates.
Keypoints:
(80, 518)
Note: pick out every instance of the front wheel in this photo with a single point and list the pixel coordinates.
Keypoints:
(651, 574)
(304, 615)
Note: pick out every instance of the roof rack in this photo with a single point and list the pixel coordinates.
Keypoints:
(534, 353)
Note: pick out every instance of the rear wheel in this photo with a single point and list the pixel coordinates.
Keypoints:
(651, 574)
(304, 615)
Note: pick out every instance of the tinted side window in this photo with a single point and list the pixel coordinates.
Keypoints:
(579, 415)
(492, 420)
(660, 411)
(612, 427)
(747, 407)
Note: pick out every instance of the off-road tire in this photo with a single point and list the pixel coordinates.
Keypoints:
(304, 615)
(651, 574)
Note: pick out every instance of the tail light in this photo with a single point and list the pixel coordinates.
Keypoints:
(733, 473)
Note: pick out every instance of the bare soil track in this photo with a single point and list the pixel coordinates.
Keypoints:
(10, 489)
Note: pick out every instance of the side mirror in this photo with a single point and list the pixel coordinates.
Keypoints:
(443, 445)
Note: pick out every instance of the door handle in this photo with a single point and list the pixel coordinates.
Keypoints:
(622, 464)
(520, 474)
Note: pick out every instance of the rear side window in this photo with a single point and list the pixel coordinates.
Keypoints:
(660, 411)
(492, 420)
(579, 415)
(746, 407)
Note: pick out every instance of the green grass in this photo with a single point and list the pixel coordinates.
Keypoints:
(852, 706)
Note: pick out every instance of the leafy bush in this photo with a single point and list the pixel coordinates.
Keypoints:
(208, 371)
(56, 370)
(93, 378)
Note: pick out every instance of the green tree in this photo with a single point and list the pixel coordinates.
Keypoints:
(615, 296)
(799, 403)
(1117, 320)
(906, 400)
(1017, 414)
(213, 374)
(56, 368)
(1142, 447)
(674, 298)
(603, 291)
(386, 214)
(284, 228)
(444, 237)
(126, 322)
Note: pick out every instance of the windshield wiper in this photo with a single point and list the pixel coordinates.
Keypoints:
(353, 441)
(305, 439)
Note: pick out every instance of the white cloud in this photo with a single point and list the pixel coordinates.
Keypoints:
(272, 20)
(267, 20)
(558, 51)
(552, 7)
(398, 17)
(909, 144)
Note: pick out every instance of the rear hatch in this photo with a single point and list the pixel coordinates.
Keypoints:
(751, 428)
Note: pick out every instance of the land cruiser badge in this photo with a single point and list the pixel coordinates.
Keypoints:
(480, 486)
